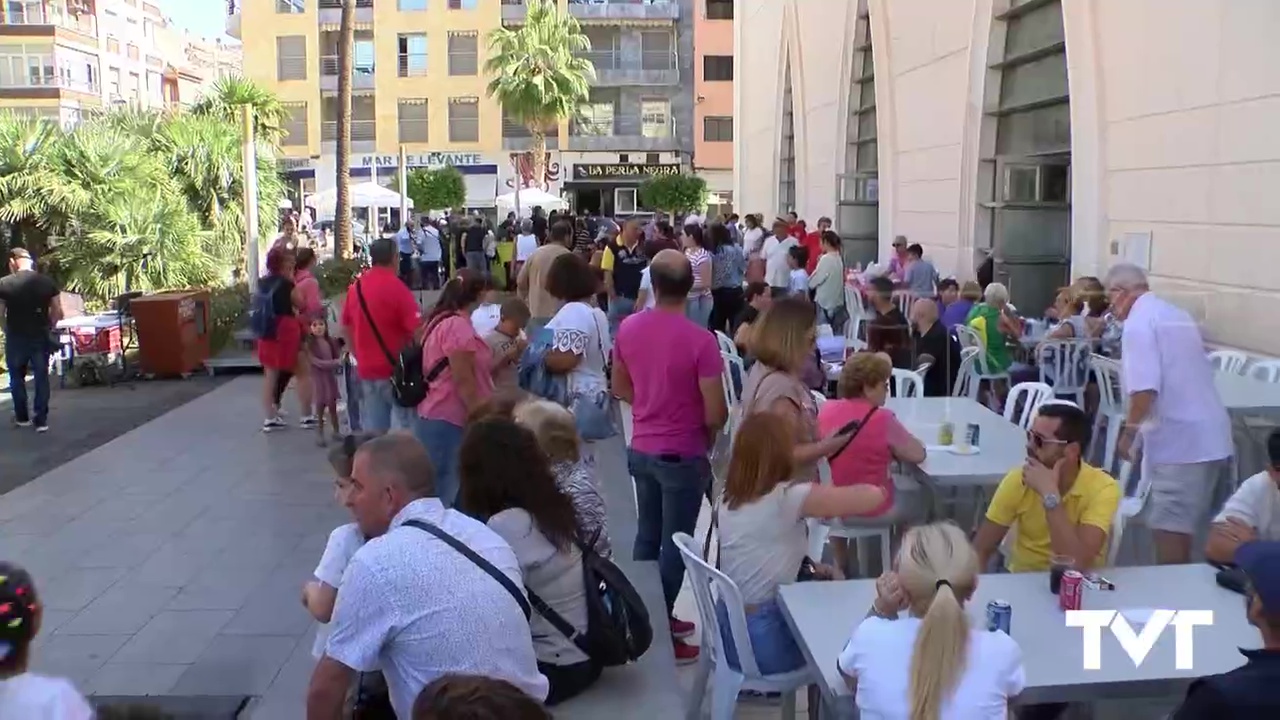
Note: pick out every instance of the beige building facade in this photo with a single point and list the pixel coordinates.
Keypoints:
(1058, 136)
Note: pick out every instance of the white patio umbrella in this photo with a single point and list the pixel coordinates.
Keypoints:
(285, 204)
(529, 199)
(365, 194)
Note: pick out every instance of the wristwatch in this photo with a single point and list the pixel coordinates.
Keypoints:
(1051, 501)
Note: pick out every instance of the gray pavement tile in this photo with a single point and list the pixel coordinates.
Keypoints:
(221, 587)
(235, 664)
(278, 706)
(126, 550)
(275, 608)
(295, 676)
(129, 678)
(175, 637)
(76, 657)
(124, 609)
(46, 522)
(76, 588)
(168, 567)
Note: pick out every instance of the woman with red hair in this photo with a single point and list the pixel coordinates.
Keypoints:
(279, 354)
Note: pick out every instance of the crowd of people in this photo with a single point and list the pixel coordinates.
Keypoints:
(477, 510)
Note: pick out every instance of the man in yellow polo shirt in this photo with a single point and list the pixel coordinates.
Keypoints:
(1056, 504)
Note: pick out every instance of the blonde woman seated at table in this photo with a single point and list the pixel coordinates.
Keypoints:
(931, 663)
(879, 440)
(1060, 504)
(763, 536)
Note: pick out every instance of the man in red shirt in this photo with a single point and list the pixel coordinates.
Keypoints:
(376, 329)
(813, 243)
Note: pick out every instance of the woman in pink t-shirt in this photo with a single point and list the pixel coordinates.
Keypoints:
(461, 362)
(863, 388)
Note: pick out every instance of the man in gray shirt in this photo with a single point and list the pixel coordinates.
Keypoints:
(920, 277)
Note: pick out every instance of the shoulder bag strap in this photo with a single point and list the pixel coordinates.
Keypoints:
(854, 434)
(559, 623)
(443, 362)
(372, 325)
(479, 561)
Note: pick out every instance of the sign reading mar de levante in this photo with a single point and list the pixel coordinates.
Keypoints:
(426, 159)
(623, 171)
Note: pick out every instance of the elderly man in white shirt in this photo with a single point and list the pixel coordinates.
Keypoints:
(411, 605)
(1252, 513)
(1173, 407)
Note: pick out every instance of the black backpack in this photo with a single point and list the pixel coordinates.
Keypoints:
(618, 628)
(409, 384)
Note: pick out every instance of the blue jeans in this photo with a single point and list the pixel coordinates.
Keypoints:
(21, 354)
(773, 644)
(442, 439)
(478, 262)
(619, 308)
(698, 309)
(352, 386)
(379, 412)
(669, 491)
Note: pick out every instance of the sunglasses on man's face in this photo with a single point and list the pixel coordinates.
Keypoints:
(1039, 441)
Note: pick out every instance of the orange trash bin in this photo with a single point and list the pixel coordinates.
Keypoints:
(173, 331)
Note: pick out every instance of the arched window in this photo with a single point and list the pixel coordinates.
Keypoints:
(858, 203)
(787, 149)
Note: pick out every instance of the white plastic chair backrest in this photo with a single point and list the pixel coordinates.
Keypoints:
(726, 343)
(923, 368)
(965, 387)
(906, 383)
(853, 329)
(1064, 365)
(1033, 395)
(1229, 361)
(968, 337)
(818, 397)
(702, 577)
(903, 301)
(1106, 373)
(732, 364)
(1118, 521)
(853, 302)
(1266, 371)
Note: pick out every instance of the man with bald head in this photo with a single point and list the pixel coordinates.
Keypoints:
(669, 369)
(412, 605)
(931, 343)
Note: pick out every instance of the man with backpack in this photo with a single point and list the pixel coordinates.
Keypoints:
(379, 317)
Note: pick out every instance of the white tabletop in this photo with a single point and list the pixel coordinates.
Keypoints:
(823, 616)
(1249, 395)
(1001, 444)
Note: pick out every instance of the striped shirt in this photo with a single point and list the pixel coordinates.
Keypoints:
(698, 258)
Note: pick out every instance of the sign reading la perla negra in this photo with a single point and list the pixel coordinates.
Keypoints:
(600, 171)
(427, 159)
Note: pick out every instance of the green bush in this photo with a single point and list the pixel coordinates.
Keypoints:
(228, 312)
(336, 275)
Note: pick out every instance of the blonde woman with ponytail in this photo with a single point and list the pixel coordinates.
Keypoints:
(935, 662)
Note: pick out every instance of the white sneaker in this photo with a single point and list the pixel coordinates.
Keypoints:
(22, 423)
(309, 422)
(42, 428)
(274, 423)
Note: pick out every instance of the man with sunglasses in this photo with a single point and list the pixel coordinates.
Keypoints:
(1249, 691)
(1062, 506)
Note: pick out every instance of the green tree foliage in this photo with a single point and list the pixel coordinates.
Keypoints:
(538, 73)
(675, 193)
(440, 188)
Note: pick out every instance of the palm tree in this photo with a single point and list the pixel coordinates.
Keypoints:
(342, 206)
(231, 93)
(32, 200)
(538, 77)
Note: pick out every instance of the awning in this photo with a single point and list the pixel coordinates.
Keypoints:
(481, 190)
(335, 27)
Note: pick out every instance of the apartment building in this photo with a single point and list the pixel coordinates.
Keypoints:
(639, 119)
(713, 101)
(417, 82)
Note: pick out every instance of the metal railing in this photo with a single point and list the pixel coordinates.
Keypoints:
(19, 14)
(622, 127)
(337, 4)
(360, 130)
(411, 64)
(329, 66)
(49, 77)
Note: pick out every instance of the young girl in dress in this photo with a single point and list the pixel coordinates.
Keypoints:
(24, 694)
(326, 359)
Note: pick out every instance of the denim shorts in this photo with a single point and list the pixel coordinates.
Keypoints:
(771, 639)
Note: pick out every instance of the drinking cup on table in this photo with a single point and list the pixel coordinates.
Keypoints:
(1059, 564)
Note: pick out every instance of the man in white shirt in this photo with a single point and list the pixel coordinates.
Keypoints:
(776, 248)
(411, 605)
(1173, 407)
(1252, 513)
(429, 253)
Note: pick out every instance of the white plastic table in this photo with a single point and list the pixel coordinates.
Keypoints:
(1248, 396)
(1001, 444)
(823, 615)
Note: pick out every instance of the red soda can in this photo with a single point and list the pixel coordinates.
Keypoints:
(1071, 594)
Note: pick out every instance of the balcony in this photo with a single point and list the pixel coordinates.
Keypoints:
(330, 12)
(517, 137)
(651, 68)
(364, 134)
(233, 19)
(362, 77)
(50, 79)
(604, 11)
(52, 16)
(622, 135)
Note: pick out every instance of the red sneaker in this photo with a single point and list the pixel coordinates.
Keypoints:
(685, 653)
(681, 629)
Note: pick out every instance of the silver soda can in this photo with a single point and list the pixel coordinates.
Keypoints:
(972, 434)
(999, 616)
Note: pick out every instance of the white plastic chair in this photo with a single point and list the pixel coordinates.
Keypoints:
(1111, 408)
(1064, 366)
(1229, 361)
(727, 346)
(818, 397)
(923, 368)
(969, 338)
(1033, 395)
(849, 528)
(906, 383)
(725, 682)
(903, 300)
(853, 302)
(1129, 508)
(853, 328)
(965, 385)
(1266, 371)
(732, 364)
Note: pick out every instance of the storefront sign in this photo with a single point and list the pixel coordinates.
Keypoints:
(292, 164)
(622, 171)
(427, 159)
